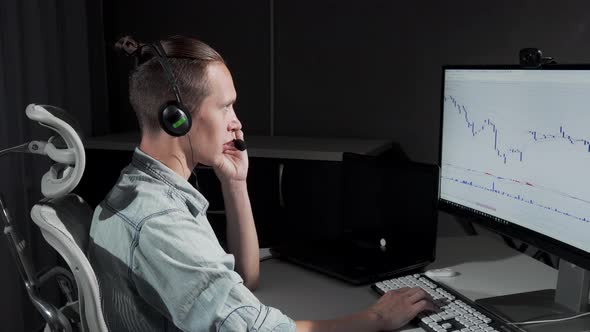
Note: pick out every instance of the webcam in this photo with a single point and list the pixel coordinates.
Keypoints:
(533, 58)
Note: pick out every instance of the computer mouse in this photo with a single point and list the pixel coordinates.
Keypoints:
(441, 273)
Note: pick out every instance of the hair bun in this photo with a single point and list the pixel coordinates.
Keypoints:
(127, 45)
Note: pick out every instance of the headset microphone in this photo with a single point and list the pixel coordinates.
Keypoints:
(240, 144)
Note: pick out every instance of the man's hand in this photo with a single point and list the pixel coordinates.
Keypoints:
(393, 310)
(232, 166)
(242, 241)
(397, 307)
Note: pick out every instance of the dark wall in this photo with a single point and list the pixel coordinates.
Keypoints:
(238, 30)
(373, 68)
(368, 69)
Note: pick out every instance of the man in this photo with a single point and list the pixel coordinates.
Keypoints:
(159, 264)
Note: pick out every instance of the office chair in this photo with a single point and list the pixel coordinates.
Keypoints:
(64, 220)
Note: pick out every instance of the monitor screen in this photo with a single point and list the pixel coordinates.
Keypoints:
(515, 150)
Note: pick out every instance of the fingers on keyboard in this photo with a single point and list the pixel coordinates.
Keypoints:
(402, 290)
(416, 294)
(421, 306)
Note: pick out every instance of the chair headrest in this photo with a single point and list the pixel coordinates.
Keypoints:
(66, 150)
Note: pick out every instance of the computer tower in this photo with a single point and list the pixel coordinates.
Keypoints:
(388, 222)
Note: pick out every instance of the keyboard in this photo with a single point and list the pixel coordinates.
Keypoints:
(454, 312)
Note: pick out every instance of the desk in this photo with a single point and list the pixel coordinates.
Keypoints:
(486, 265)
(301, 148)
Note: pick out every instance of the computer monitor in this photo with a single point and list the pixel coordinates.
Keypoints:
(515, 156)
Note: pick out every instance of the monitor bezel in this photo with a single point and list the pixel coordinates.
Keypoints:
(546, 243)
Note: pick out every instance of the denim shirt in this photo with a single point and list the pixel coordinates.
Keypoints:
(159, 264)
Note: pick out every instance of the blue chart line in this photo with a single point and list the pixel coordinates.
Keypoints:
(563, 135)
(535, 135)
(519, 198)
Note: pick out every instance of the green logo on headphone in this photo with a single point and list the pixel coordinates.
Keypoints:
(179, 122)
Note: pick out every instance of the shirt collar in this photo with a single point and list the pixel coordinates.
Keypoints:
(157, 169)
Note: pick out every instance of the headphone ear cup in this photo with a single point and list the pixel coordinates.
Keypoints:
(174, 120)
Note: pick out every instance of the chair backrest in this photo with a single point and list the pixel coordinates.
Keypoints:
(65, 225)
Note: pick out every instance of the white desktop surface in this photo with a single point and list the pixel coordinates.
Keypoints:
(486, 265)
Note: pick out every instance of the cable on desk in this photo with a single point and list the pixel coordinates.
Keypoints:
(550, 320)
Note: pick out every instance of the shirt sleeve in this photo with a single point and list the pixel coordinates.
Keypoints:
(179, 267)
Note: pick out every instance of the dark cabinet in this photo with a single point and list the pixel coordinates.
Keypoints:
(296, 185)
(289, 195)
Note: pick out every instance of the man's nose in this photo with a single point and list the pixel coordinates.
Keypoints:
(235, 124)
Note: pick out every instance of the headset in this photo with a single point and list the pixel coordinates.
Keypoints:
(172, 115)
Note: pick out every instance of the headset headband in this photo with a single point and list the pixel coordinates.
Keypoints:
(162, 57)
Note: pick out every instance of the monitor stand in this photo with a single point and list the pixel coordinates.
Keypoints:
(570, 298)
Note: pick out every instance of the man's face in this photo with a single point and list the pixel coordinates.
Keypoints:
(215, 122)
